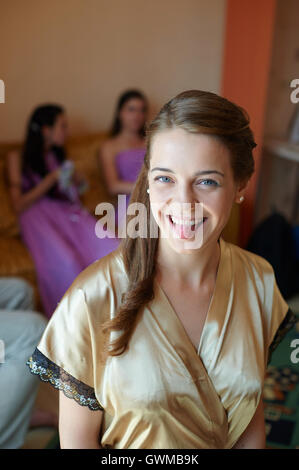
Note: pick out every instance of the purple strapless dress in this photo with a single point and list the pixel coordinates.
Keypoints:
(60, 236)
(128, 165)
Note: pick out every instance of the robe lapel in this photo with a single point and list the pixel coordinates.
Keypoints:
(218, 305)
(176, 334)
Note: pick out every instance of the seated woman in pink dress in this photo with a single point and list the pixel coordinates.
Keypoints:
(58, 231)
(122, 155)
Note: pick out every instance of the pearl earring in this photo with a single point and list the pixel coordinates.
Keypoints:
(147, 190)
(241, 198)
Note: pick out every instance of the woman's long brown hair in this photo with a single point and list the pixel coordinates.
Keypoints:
(195, 111)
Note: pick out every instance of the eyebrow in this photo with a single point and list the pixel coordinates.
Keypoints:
(205, 172)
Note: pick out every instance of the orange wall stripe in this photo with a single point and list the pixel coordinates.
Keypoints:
(249, 28)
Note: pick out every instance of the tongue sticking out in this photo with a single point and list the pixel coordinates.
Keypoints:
(184, 231)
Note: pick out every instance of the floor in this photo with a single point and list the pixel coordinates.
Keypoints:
(281, 391)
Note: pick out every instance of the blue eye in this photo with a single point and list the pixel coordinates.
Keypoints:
(213, 183)
(158, 178)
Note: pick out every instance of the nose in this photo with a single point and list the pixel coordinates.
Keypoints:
(185, 198)
(185, 193)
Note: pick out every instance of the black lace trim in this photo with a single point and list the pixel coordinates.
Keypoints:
(287, 323)
(50, 372)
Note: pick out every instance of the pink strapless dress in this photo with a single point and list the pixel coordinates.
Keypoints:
(128, 165)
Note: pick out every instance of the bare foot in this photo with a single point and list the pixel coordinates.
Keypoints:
(43, 418)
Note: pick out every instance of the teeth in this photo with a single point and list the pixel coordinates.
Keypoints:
(184, 222)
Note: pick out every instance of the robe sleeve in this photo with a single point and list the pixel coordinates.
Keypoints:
(63, 356)
(280, 316)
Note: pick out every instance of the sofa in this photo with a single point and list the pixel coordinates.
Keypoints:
(15, 259)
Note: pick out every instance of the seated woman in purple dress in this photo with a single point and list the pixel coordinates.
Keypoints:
(122, 154)
(58, 231)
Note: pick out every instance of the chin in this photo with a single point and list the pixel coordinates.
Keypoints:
(184, 246)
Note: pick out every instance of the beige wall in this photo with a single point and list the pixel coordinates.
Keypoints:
(83, 53)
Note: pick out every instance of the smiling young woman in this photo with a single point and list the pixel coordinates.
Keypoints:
(165, 342)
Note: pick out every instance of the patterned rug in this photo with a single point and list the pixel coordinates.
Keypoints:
(281, 391)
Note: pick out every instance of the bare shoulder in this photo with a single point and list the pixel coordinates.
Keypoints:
(110, 145)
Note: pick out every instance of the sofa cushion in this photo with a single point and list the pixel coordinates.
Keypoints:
(15, 259)
(8, 221)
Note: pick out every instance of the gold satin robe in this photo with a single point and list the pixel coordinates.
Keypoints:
(162, 393)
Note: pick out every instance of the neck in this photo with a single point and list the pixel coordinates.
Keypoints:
(130, 135)
(194, 269)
